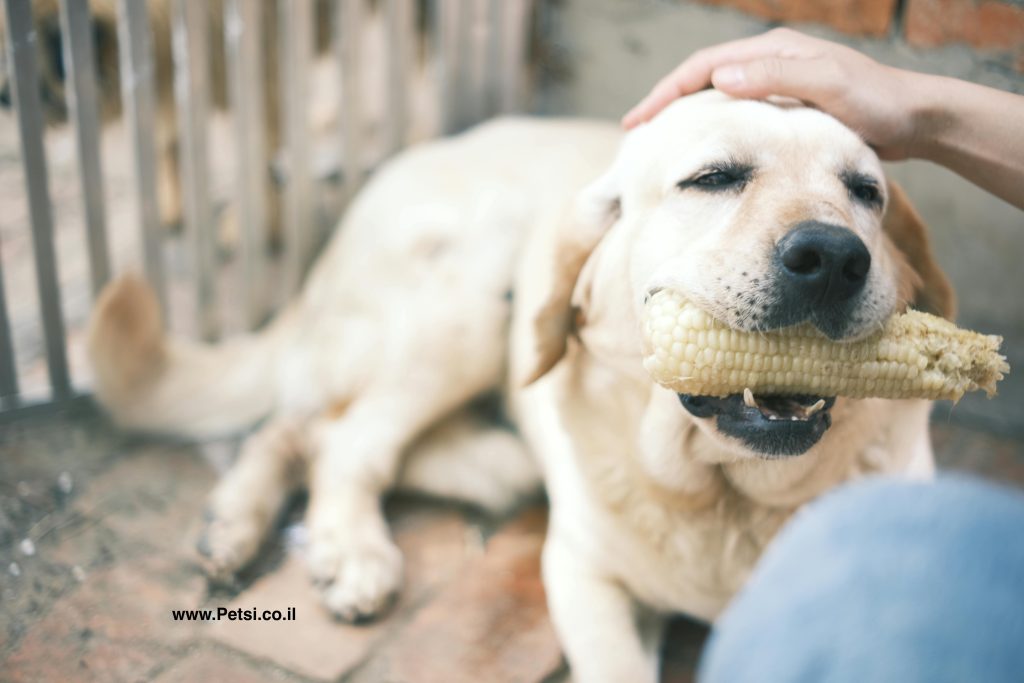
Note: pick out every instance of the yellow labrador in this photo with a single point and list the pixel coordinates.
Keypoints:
(495, 261)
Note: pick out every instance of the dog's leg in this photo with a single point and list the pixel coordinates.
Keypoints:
(467, 458)
(244, 504)
(358, 455)
(352, 558)
(433, 358)
(596, 620)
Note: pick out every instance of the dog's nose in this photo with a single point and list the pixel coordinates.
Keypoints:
(823, 264)
(5, 97)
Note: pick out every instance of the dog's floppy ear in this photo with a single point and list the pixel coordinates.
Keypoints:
(576, 235)
(926, 287)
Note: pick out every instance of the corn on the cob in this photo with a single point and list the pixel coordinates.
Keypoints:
(915, 355)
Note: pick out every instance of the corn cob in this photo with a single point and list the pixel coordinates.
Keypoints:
(915, 355)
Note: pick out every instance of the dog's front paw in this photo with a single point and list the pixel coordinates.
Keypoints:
(357, 577)
(227, 544)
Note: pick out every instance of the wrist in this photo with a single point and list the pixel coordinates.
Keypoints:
(933, 116)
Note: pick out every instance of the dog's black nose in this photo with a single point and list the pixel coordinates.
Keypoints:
(823, 264)
(5, 97)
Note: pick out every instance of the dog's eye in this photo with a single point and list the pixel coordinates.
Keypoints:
(866, 192)
(716, 179)
(862, 188)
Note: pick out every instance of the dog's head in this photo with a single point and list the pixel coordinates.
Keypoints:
(764, 214)
(48, 39)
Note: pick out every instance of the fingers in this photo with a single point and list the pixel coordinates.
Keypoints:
(810, 80)
(695, 72)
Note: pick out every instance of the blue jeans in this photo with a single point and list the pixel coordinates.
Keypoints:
(884, 580)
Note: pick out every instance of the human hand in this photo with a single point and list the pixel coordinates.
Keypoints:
(877, 101)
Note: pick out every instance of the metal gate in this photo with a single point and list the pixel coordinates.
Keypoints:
(472, 54)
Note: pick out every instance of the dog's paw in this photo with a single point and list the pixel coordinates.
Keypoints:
(227, 544)
(357, 578)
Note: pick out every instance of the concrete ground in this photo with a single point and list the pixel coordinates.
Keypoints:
(96, 535)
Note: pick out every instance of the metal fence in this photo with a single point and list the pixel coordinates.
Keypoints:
(474, 52)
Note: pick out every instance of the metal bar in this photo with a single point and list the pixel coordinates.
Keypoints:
(463, 70)
(243, 30)
(296, 22)
(515, 40)
(348, 44)
(21, 54)
(446, 33)
(137, 81)
(189, 39)
(8, 370)
(80, 81)
(76, 404)
(493, 45)
(399, 17)
(476, 56)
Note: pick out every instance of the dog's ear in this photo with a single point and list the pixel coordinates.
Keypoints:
(576, 235)
(924, 285)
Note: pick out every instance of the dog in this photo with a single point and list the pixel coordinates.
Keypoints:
(103, 15)
(516, 258)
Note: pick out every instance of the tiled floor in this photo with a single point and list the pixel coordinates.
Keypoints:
(95, 552)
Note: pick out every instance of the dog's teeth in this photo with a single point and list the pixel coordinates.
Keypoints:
(815, 408)
(748, 398)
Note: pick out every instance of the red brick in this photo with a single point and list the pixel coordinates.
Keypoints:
(986, 24)
(435, 541)
(155, 495)
(214, 665)
(857, 17)
(116, 626)
(489, 624)
(315, 645)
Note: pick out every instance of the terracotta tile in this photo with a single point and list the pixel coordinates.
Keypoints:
(317, 646)
(490, 624)
(219, 666)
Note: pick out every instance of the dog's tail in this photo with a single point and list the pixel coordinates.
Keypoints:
(153, 383)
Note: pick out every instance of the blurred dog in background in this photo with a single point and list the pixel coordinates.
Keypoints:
(52, 74)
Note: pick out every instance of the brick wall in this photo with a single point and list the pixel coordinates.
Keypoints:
(993, 27)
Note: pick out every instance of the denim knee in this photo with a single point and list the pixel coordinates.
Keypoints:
(884, 580)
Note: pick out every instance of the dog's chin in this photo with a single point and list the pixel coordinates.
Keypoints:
(770, 426)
